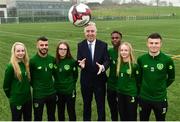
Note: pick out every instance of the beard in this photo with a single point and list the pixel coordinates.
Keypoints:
(43, 51)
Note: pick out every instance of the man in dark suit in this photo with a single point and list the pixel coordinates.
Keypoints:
(93, 60)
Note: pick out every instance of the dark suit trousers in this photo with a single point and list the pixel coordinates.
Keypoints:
(87, 94)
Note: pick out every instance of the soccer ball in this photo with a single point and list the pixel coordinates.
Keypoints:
(79, 14)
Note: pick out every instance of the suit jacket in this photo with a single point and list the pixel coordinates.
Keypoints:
(89, 73)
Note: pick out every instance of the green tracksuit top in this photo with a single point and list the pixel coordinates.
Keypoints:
(17, 91)
(112, 79)
(127, 83)
(66, 74)
(157, 74)
(42, 71)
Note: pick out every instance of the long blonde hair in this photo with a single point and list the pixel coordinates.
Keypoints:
(120, 60)
(14, 61)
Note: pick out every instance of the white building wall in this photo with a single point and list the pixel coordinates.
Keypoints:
(5, 11)
(3, 2)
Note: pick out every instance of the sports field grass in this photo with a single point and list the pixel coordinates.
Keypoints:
(133, 31)
(129, 10)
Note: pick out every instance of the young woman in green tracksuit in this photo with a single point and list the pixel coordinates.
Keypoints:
(158, 73)
(66, 74)
(127, 83)
(16, 83)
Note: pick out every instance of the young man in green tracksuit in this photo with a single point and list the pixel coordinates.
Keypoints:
(66, 74)
(116, 38)
(42, 69)
(158, 73)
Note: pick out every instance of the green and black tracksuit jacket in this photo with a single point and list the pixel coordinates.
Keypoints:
(17, 91)
(66, 74)
(128, 81)
(157, 75)
(42, 71)
(112, 78)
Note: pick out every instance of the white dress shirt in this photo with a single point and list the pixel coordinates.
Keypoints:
(102, 69)
(92, 47)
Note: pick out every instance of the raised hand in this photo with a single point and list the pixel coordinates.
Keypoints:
(82, 63)
(101, 68)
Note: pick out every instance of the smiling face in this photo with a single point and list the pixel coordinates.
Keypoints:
(154, 45)
(42, 47)
(124, 51)
(115, 40)
(62, 51)
(19, 52)
(90, 32)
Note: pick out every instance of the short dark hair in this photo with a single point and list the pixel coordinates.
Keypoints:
(155, 36)
(117, 33)
(42, 38)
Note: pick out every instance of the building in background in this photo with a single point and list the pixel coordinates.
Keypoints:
(57, 10)
(38, 10)
(3, 8)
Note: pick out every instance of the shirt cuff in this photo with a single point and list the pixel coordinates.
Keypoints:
(103, 69)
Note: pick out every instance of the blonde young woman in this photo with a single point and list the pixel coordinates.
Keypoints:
(16, 83)
(127, 84)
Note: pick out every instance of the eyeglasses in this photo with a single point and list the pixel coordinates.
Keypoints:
(62, 49)
(114, 37)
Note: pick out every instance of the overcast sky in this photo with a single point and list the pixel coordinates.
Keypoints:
(175, 2)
